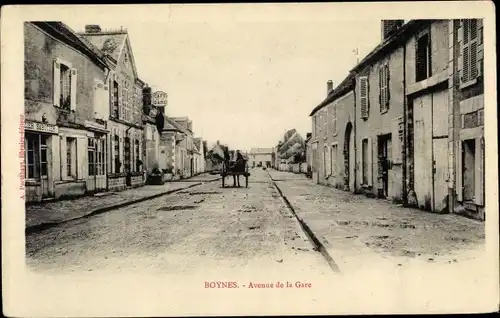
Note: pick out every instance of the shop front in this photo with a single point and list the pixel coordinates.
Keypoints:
(40, 144)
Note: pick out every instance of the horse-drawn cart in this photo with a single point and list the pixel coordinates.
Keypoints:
(235, 169)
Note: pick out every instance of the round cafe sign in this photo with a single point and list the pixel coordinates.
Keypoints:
(159, 99)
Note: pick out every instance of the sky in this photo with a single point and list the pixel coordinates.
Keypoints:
(243, 79)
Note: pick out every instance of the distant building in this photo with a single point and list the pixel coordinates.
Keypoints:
(260, 157)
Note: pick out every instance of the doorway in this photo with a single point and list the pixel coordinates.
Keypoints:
(468, 169)
(384, 164)
(349, 158)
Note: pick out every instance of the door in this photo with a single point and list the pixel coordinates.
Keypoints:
(36, 160)
(440, 150)
(96, 155)
(422, 150)
(385, 171)
(440, 170)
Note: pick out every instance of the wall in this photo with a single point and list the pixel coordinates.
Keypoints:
(344, 112)
(40, 52)
(379, 123)
(259, 157)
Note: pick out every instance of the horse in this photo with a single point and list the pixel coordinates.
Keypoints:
(235, 168)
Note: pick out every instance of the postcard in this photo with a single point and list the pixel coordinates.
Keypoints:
(249, 159)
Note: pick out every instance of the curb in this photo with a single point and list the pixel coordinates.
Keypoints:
(44, 226)
(318, 246)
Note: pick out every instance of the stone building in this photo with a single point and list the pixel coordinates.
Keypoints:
(416, 115)
(66, 111)
(332, 139)
(125, 124)
(260, 157)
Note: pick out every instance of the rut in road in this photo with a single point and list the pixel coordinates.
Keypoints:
(318, 246)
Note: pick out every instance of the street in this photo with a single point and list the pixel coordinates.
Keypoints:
(199, 229)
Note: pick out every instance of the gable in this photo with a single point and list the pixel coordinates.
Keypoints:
(126, 58)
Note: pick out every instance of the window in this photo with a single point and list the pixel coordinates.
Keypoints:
(64, 85)
(137, 155)
(116, 100)
(334, 119)
(471, 41)
(91, 157)
(127, 154)
(325, 122)
(363, 96)
(325, 162)
(70, 144)
(333, 157)
(35, 155)
(423, 57)
(314, 125)
(384, 87)
(116, 154)
(365, 155)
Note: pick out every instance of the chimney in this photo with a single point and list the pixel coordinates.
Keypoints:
(388, 27)
(92, 28)
(329, 87)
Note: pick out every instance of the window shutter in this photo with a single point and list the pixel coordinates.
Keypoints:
(57, 83)
(387, 85)
(81, 158)
(97, 100)
(465, 51)
(363, 92)
(63, 152)
(73, 88)
(370, 162)
(473, 47)
(380, 86)
(105, 102)
(479, 186)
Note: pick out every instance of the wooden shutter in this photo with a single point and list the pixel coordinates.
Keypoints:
(387, 85)
(81, 162)
(334, 119)
(73, 88)
(459, 175)
(370, 162)
(57, 83)
(473, 44)
(105, 102)
(363, 96)
(97, 100)
(479, 186)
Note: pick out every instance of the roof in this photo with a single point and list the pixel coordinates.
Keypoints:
(403, 33)
(260, 151)
(345, 86)
(393, 41)
(170, 124)
(111, 43)
(62, 32)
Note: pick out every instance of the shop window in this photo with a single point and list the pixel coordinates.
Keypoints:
(35, 155)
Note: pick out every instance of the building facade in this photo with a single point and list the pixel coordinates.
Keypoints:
(66, 111)
(125, 160)
(260, 157)
(332, 140)
(415, 116)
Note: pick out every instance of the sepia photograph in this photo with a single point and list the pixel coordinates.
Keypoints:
(251, 159)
